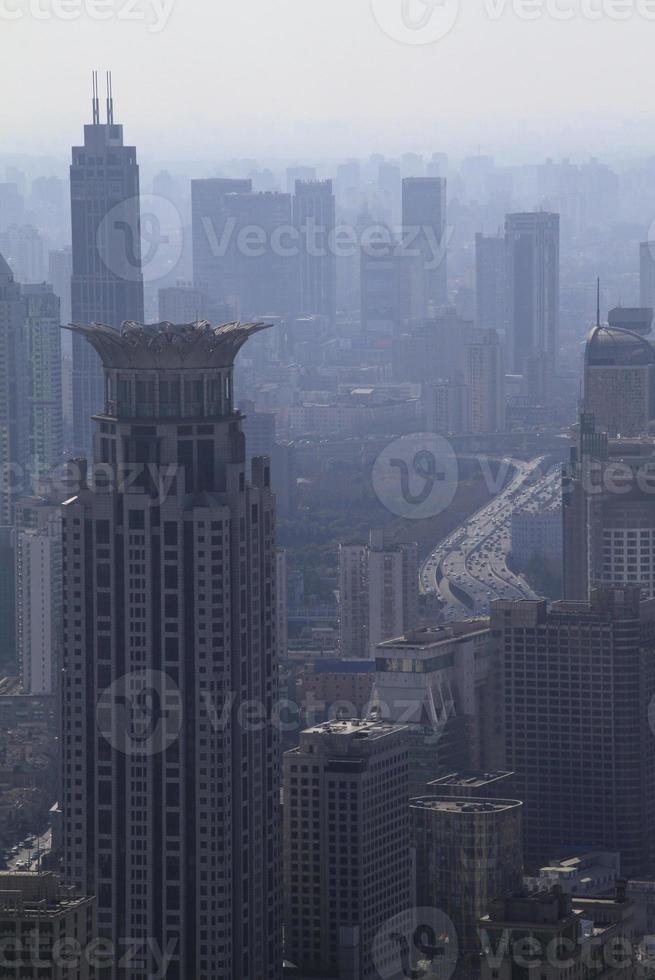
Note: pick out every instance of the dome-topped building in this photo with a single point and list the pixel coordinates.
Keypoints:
(609, 346)
(619, 384)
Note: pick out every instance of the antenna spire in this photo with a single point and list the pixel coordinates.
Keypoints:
(95, 105)
(110, 101)
(598, 302)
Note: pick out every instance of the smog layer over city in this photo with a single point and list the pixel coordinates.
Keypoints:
(327, 490)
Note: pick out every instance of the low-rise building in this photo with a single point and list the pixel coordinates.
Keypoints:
(595, 873)
(48, 930)
(442, 684)
(549, 934)
(467, 852)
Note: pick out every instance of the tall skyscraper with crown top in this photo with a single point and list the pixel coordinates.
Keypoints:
(171, 795)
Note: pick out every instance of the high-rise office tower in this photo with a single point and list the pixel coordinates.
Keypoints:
(578, 680)
(314, 217)
(12, 205)
(532, 241)
(490, 283)
(186, 304)
(265, 276)
(298, 173)
(14, 417)
(240, 254)
(348, 186)
(353, 601)
(380, 282)
(467, 852)
(24, 248)
(60, 271)
(447, 407)
(392, 589)
(638, 319)
(170, 793)
(647, 275)
(347, 865)
(619, 381)
(44, 385)
(8, 599)
(378, 593)
(425, 240)
(485, 379)
(390, 187)
(107, 283)
(38, 594)
(608, 513)
(211, 235)
(282, 602)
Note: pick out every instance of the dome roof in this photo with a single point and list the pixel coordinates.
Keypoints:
(611, 347)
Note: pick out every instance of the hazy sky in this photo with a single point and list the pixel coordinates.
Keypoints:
(207, 79)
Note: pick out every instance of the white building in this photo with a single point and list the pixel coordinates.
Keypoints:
(378, 593)
(485, 378)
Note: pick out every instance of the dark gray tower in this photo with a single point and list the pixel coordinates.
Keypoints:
(14, 388)
(533, 289)
(490, 283)
(171, 767)
(107, 284)
(578, 681)
(425, 244)
(214, 269)
(314, 216)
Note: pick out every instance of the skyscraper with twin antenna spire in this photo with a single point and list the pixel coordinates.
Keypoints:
(107, 282)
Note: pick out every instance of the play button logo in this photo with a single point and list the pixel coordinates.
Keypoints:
(416, 21)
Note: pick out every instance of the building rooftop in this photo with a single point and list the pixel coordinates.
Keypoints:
(167, 345)
(466, 806)
(471, 780)
(354, 727)
(35, 894)
(428, 637)
(615, 347)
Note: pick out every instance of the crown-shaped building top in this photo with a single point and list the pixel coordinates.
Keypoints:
(167, 346)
